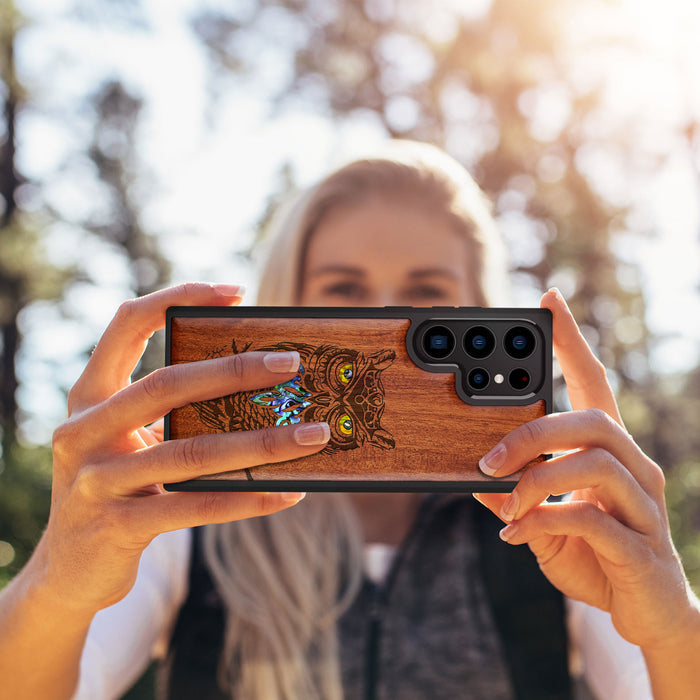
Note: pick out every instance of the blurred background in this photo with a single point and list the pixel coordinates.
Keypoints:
(146, 142)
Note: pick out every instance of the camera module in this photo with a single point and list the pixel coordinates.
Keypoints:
(519, 342)
(479, 342)
(519, 378)
(478, 379)
(438, 342)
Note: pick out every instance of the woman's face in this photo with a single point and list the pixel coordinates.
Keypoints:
(386, 253)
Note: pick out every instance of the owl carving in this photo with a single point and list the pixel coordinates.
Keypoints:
(340, 386)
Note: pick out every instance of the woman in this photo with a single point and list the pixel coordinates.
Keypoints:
(410, 229)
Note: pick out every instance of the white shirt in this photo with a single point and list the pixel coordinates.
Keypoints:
(125, 637)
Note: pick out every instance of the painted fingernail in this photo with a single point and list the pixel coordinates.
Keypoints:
(510, 508)
(492, 461)
(229, 290)
(312, 434)
(282, 361)
(508, 532)
(292, 497)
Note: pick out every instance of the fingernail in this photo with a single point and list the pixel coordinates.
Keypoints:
(508, 532)
(557, 294)
(282, 361)
(292, 497)
(312, 434)
(510, 508)
(229, 290)
(492, 461)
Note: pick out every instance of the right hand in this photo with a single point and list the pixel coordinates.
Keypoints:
(107, 499)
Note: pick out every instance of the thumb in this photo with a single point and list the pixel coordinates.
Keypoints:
(584, 374)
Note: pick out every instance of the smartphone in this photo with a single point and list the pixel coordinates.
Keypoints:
(414, 396)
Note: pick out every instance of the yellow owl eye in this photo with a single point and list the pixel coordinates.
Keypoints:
(345, 373)
(345, 424)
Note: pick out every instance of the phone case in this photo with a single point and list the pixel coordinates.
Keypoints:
(401, 420)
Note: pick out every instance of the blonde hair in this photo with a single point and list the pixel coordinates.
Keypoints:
(418, 174)
(285, 579)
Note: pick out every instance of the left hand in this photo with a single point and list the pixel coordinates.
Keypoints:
(610, 544)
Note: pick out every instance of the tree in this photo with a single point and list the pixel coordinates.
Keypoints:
(25, 275)
(114, 152)
(13, 278)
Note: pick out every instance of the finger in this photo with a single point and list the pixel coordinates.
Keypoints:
(585, 376)
(152, 515)
(593, 469)
(560, 432)
(170, 387)
(124, 340)
(493, 501)
(604, 534)
(154, 433)
(179, 460)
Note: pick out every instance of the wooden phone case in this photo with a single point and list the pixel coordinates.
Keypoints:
(398, 423)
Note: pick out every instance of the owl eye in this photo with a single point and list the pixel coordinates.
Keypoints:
(345, 424)
(345, 372)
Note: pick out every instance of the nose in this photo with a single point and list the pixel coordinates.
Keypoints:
(385, 297)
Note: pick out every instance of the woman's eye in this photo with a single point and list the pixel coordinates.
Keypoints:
(345, 290)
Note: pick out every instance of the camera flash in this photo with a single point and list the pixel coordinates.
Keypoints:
(498, 379)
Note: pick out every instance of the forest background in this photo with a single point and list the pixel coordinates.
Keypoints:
(146, 142)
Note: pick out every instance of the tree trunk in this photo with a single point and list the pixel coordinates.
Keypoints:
(12, 297)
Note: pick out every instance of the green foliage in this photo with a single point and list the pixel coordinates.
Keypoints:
(23, 258)
(25, 498)
(683, 494)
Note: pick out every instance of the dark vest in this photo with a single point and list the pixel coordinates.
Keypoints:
(428, 632)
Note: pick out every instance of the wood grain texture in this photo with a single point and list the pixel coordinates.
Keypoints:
(436, 435)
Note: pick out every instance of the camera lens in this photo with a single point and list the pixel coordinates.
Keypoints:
(479, 342)
(478, 378)
(438, 342)
(520, 342)
(519, 378)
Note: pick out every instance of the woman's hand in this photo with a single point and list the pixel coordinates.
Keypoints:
(610, 544)
(107, 500)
